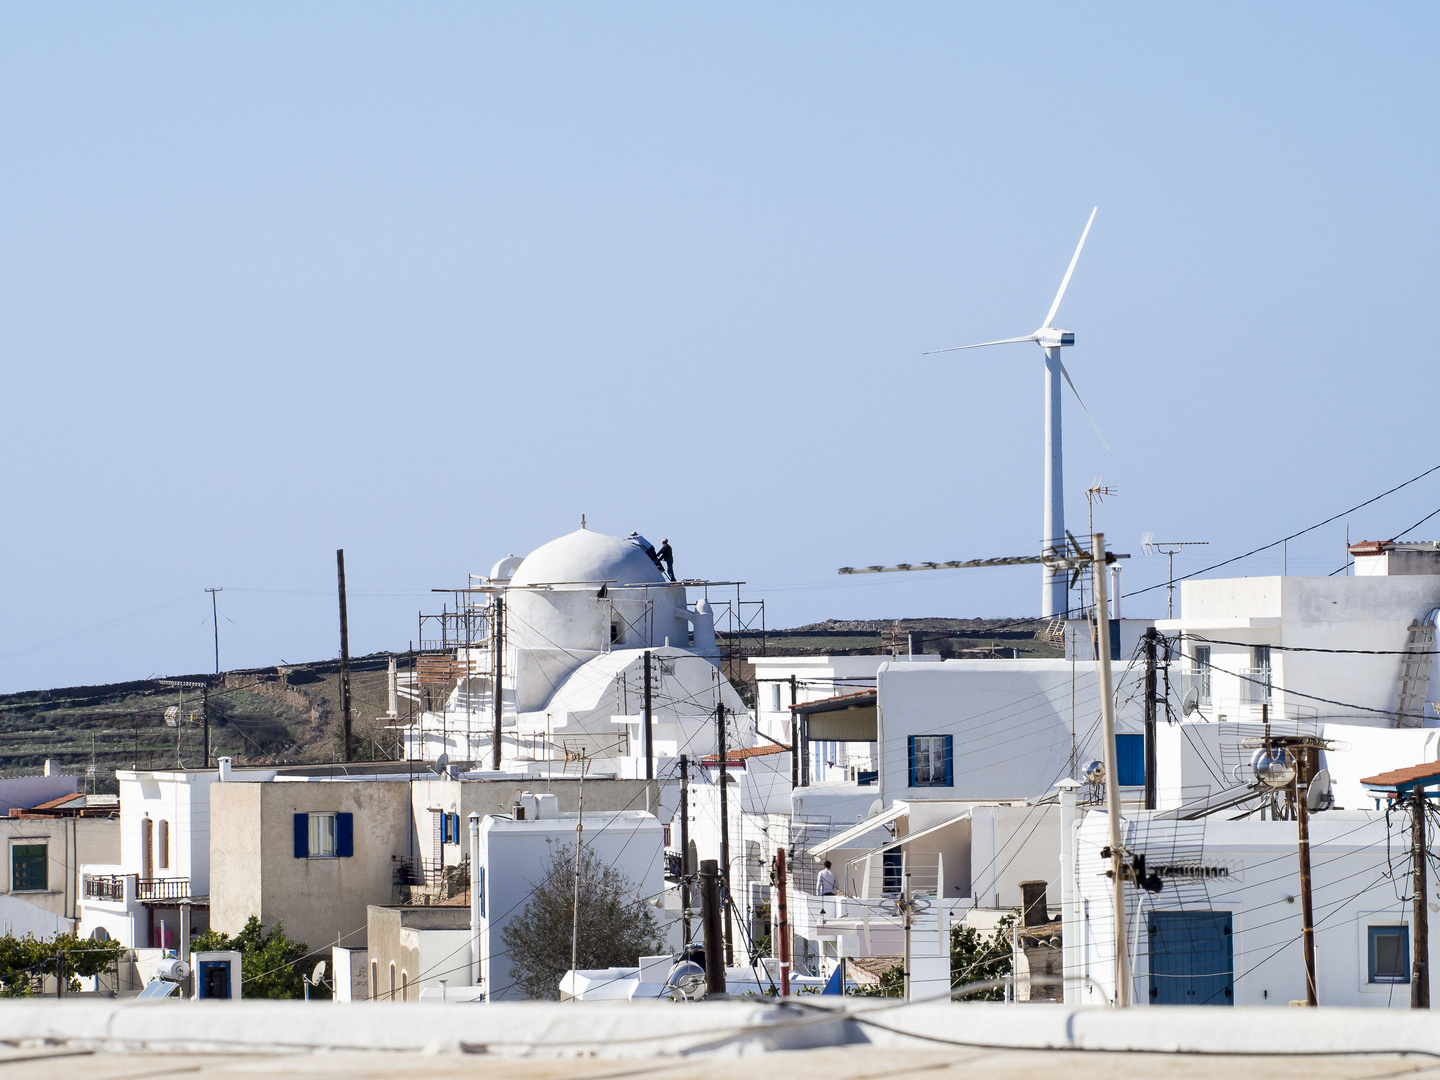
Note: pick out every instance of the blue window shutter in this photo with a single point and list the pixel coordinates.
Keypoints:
(302, 836)
(1114, 639)
(1130, 760)
(344, 835)
(949, 760)
(482, 892)
(912, 760)
(455, 828)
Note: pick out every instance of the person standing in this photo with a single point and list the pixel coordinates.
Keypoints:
(826, 883)
(668, 558)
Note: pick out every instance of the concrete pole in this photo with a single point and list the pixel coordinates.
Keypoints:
(710, 915)
(392, 701)
(184, 950)
(1112, 779)
(1071, 957)
(1053, 593)
(477, 896)
(782, 927)
(649, 734)
(1307, 905)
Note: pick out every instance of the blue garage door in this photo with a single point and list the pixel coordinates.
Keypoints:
(1192, 958)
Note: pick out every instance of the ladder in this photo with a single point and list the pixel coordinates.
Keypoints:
(1415, 672)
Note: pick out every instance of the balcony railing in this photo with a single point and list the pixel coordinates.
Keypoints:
(1196, 679)
(1254, 686)
(177, 888)
(105, 887)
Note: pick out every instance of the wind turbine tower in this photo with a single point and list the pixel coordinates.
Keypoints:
(1053, 592)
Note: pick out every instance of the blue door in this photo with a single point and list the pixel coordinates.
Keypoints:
(214, 981)
(1192, 958)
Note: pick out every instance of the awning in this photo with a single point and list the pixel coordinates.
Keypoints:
(857, 831)
(845, 718)
(902, 840)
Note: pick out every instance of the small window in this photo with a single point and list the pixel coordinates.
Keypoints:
(404, 986)
(614, 633)
(374, 979)
(28, 866)
(1200, 665)
(392, 982)
(931, 763)
(162, 845)
(322, 836)
(1389, 954)
(774, 697)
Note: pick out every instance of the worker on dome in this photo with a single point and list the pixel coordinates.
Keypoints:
(666, 556)
(649, 549)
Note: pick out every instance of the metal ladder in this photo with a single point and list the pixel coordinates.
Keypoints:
(1415, 672)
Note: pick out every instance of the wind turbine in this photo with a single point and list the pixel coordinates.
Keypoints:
(1053, 598)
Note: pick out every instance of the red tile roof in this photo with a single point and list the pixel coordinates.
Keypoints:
(1404, 777)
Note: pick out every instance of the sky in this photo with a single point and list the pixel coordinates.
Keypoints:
(429, 282)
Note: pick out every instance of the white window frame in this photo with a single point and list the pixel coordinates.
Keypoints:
(324, 828)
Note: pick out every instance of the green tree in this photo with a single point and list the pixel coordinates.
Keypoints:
(269, 961)
(617, 927)
(23, 959)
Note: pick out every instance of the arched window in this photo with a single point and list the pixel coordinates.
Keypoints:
(146, 852)
(374, 979)
(162, 845)
(392, 982)
(404, 986)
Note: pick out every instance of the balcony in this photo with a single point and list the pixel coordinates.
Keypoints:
(1193, 679)
(1254, 686)
(152, 889)
(105, 887)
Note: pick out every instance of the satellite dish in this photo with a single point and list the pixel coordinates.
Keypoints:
(318, 975)
(876, 807)
(1191, 702)
(441, 763)
(1318, 796)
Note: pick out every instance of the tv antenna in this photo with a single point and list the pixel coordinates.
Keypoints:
(1168, 548)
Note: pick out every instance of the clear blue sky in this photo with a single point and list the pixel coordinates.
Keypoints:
(428, 282)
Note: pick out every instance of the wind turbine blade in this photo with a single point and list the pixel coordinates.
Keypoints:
(1068, 271)
(981, 345)
(1082, 405)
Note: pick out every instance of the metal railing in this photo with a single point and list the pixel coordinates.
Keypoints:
(177, 888)
(1193, 679)
(1254, 685)
(105, 887)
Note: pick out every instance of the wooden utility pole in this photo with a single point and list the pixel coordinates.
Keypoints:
(782, 926)
(710, 916)
(649, 734)
(794, 739)
(1112, 784)
(215, 619)
(686, 866)
(1150, 718)
(724, 823)
(344, 658)
(1303, 773)
(207, 726)
(497, 695)
(1420, 964)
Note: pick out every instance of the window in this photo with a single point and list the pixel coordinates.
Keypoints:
(147, 853)
(404, 986)
(774, 697)
(931, 763)
(1255, 684)
(162, 845)
(324, 836)
(1130, 760)
(392, 982)
(374, 979)
(1389, 954)
(1200, 665)
(28, 866)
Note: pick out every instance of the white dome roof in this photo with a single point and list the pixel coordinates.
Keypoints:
(587, 556)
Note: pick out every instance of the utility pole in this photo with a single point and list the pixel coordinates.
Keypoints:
(686, 868)
(1112, 786)
(782, 928)
(710, 915)
(794, 739)
(649, 734)
(207, 725)
(1149, 718)
(579, 844)
(1420, 966)
(497, 643)
(724, 823)
(215, 619)
(1303, 772)
(344, 658)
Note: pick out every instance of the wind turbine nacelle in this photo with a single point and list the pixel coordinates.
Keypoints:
(1050, 338)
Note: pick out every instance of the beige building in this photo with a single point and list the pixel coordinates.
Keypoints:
(315, 853)
(413, 945)
(43, 849)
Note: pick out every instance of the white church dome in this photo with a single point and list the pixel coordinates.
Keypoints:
(587, 556)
